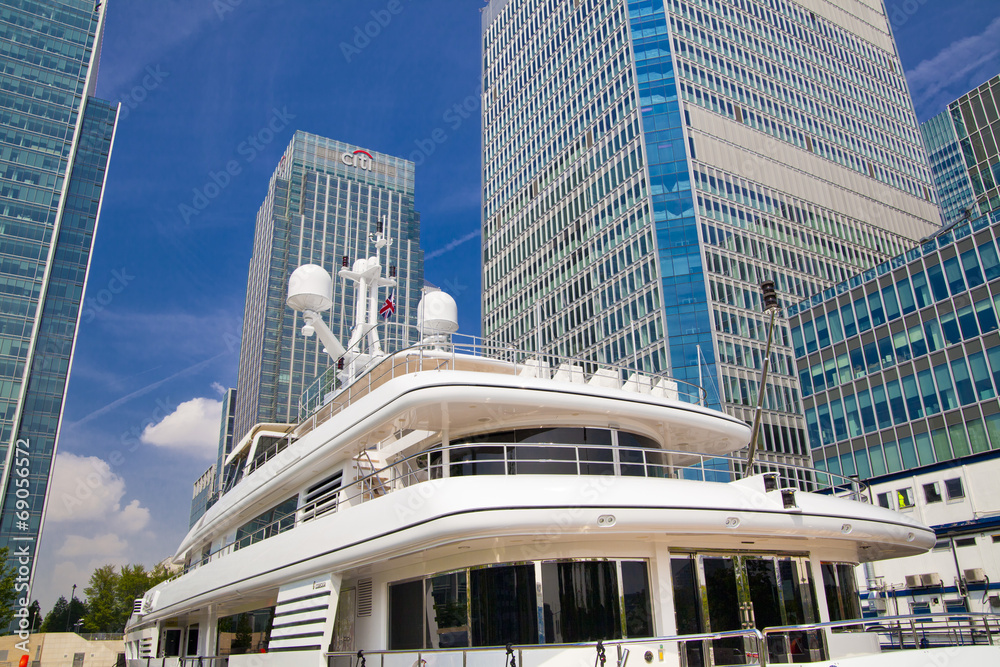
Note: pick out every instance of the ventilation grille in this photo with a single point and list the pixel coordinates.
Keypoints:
(146, 647)
(364, 597)
(321, 498)
(137, 606)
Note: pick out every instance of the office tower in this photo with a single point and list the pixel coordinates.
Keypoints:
(226, 428)
(55, 142)
(203, 494)
(324, 202)
(646, 164)
(963, 143)
(900, 376)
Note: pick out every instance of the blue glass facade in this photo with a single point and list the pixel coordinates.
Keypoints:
(648, 163)
(685, 302)
(55, 142)
(900, 367)
(963, 143)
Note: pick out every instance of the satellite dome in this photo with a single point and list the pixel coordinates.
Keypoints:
(310, 288)
(437, 313)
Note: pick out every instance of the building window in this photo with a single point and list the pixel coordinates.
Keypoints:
(953, 488)
(932, 493)
(883, 500)
(904, 498)
(966, 542)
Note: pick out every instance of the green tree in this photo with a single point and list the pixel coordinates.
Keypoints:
(64, 615)
(112, 594)
(8, 596)
(102, 615)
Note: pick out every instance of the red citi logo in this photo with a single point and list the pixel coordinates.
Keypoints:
(360, 158)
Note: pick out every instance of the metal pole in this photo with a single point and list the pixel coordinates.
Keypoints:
(754, 434)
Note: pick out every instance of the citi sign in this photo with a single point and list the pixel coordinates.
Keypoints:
(360, 159)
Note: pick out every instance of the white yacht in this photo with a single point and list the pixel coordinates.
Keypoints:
(457, 504)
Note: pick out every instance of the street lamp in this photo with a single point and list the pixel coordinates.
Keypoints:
(69, 611)
(770, 299)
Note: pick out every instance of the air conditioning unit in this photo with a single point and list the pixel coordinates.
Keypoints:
(913, 581)
(931, 579)
(975, 575)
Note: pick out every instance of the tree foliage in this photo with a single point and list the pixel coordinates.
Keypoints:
(111, 594)
(64, 615)
(8, 596)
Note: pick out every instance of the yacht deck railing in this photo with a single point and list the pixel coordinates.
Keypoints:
(610, 653)
(533, 458)
(337, 388)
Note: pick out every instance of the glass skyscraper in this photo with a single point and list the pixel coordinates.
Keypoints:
(963, 143)
(324, 202)
(55, 142)
(647, 163)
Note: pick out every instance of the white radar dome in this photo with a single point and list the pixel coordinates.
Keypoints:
(310, 288)
(437, 313)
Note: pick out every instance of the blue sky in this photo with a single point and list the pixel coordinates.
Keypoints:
(160, 333)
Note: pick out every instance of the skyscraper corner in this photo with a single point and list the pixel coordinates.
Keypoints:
(55, 144)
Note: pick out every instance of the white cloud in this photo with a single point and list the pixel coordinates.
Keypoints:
(193, 428)
(85, 489)
(219, 388)
(961, 64)
(134, 517)
(104, 546)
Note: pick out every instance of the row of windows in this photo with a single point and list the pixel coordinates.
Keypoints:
(828, 87)
(953, 489)
(906, 451)
(832, 65)
(939, 282)
(950, 328)
(845, 148)
(943, 387)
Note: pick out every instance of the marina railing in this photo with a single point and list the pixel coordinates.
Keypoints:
(744, 647)
(530, 458)
(912, 631)
(338, 388)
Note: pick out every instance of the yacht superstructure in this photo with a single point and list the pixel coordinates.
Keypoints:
(457, 503)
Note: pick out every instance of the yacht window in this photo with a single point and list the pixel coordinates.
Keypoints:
(406, 604)
(954, 489)
(492, 605)
(932, 493)
(245, 633)
(448, 618)
(503, 606)
(580, 602)
(276, 520)
(636, 594)
(842, 598)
